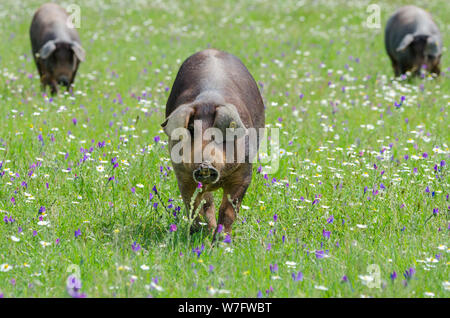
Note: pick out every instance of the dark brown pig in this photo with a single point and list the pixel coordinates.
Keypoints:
(413, 41)
(56, 47)
(213, 89)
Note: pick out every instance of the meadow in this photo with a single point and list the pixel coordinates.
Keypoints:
(359, 206)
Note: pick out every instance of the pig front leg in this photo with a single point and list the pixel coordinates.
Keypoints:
(231, 202)
(53, 87)
(207, 211)
(436, 69)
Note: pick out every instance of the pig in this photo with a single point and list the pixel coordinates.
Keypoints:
(56, 47)
(413, 41)
(213, 89)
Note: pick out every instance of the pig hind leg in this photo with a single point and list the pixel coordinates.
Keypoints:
(73, 77)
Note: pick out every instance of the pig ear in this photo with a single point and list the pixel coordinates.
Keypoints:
(47, 49)
(79, 51)
(407, 40)
(227, 116)
(178, 119)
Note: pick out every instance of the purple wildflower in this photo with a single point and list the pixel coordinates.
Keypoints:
(227, 239)
(297, 277)
(393, 275)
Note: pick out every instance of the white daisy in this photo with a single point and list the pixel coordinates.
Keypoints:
(5, 268)
(45, 244)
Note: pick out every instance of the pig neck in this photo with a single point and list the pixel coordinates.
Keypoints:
(210, 96)
(424, 26)
(59, 32)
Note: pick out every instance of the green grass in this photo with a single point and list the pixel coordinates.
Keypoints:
(330, 153)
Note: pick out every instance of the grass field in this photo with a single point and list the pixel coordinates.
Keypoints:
(359, 206)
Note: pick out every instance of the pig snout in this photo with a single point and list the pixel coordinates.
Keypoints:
(206, 173)
(63, 80)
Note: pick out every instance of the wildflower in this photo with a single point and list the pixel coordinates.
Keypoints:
(77, 233)
(330, 219)
(73, 285)
(393, 275)
(173, 228)
(409, 273)
(297, 277)
(319, 254)
(44, 244)
(135, 247)
(326, 234)
(5, 268)
(227, 239)
(198, 251)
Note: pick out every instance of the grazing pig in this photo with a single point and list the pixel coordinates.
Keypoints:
(213, 89)
(413, 41)
(56, 48)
